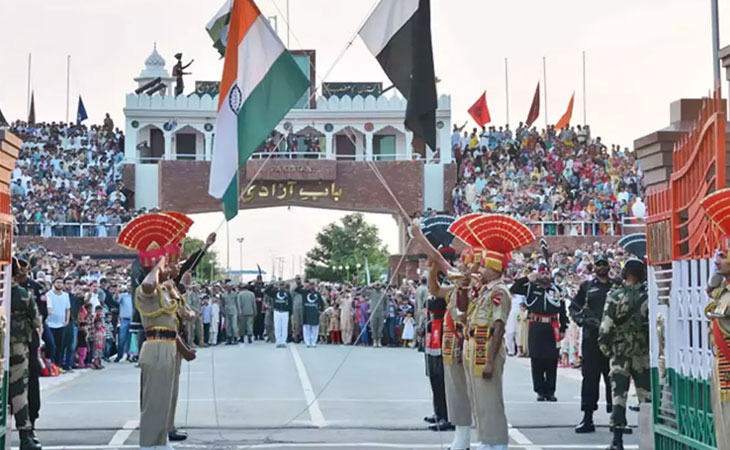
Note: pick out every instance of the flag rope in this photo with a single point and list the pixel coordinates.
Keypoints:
(384, 182)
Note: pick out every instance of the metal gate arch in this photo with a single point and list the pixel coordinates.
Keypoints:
(680, 242)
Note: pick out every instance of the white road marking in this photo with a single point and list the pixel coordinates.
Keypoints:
(330, 445)
(520, 438)
(121, 436)
(314, 412)
(298, 399)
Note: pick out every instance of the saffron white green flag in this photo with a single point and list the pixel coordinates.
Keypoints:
(217, 28)
(260, 84)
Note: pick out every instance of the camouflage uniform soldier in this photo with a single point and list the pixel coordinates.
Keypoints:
(25, 320)
(624, 337)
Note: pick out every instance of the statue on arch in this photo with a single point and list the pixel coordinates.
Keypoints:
(178, 71)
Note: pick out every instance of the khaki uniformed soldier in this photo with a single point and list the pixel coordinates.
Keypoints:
(486, 352)
(158, 358)
(297, 314)
(230, 309)
(269, 317)
(156, 237)
(195, 327)
(25, 320)
(492, 238)
(247, 311)
(455, 380)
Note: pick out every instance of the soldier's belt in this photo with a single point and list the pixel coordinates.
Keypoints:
(473, 331)
(480, 348)
(546, 318)
(160, 334)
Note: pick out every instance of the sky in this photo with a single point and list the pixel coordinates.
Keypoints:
(640, 56)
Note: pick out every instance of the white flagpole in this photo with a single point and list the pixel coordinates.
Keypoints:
(27, 103)
(68, 82)
(585, 115)
(715, 43)
(506, 86)
(544, 79)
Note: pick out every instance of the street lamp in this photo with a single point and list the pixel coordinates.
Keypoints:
(240, 253)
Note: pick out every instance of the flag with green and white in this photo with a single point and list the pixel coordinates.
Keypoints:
(217, 28)
(261, 82)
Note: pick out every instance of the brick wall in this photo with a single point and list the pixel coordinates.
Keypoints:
(184, 187)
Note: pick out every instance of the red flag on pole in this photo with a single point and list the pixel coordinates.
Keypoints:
(479, 111)
(535, 108)
(565, 120)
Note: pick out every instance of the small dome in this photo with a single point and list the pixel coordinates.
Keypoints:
(154, 59)
(154, 66)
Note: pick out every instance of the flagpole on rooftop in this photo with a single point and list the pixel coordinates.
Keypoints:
(544, 78)
(715, 43)
(68, 82)
(288, 27)
(506, 86)
(585, 115)
(27, 103)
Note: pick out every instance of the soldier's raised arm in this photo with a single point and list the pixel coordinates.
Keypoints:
(149, 284)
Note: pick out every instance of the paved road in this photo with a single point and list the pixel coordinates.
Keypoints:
(259, 397)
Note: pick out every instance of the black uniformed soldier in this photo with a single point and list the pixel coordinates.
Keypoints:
(547, 324)
(586, 309)
(24, 322)
(435, 311)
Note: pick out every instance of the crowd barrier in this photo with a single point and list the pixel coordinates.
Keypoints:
(55, 229)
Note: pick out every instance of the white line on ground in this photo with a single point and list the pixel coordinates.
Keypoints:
(314, 412)
(520, 438)
(121, 436)
(331, 445)
(297, 399)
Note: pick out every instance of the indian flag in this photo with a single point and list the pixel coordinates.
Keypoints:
(261, 82)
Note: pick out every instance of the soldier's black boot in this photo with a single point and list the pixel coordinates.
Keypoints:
(26, 441)
(32, 433)
(177, 435)
(586, 425)
(250, 341)
(618, 439)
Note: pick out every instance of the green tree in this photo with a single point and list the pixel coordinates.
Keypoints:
(207, 269)
(350, 242)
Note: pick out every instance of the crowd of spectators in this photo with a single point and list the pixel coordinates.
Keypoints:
(67, 175)
(550, 176)
(84, 304)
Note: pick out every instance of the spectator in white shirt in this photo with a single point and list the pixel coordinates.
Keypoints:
(59, 312)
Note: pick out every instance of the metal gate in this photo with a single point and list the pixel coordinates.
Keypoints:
(680, 243)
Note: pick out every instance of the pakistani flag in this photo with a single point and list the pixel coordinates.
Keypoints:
(398, 34)
(217, 28)
(260, 84)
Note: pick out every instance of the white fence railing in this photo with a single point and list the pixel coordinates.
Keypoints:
(575, 228)
(572, 228)
(56, 229)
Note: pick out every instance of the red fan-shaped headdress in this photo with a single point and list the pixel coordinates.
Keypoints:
(717, 207)
(155, 235)
(497, 234)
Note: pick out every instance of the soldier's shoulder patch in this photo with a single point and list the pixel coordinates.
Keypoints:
(497, 298)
